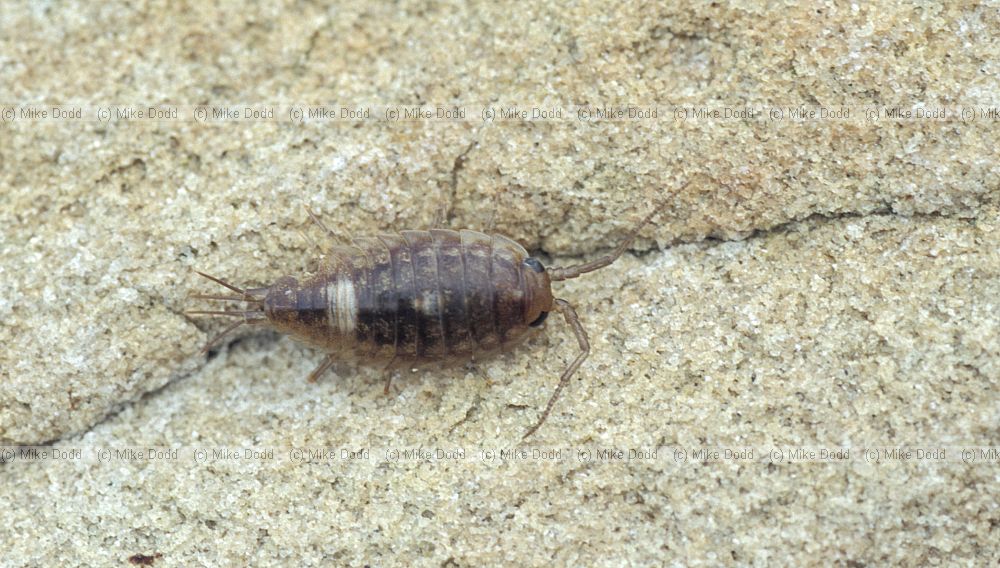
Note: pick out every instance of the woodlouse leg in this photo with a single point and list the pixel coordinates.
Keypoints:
(219, 336)
(581, 337)
(308, 239)
(491, 223)
(316, 220)
(390, 372)
(326, 229)
(318, 371)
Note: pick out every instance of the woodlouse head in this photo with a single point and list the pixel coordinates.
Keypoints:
(538, 286)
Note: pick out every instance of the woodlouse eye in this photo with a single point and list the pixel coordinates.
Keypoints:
(539, 320)
(533, 264)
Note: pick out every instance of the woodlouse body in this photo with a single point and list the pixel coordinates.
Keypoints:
(417, 296)
(414, 297)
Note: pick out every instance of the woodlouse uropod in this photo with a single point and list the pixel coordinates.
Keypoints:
(417, 296)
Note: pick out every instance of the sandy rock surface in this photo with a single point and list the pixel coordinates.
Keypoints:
(822, 283)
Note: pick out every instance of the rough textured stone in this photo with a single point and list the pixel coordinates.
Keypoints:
(815, 283)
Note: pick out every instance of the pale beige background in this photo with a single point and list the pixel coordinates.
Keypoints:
(825, 283)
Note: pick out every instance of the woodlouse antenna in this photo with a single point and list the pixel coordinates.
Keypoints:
(576, 270)
(557, 273)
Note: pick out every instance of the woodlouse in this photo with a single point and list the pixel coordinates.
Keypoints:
(415, 297)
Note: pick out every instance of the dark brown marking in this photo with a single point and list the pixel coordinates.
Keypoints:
(478, 252)
(144, 559)
(426, 298)
(405, 314)
(452, 291)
